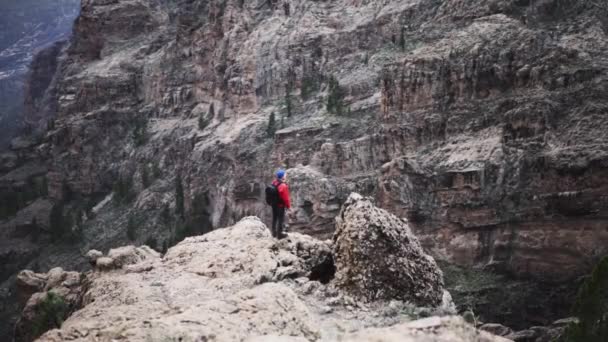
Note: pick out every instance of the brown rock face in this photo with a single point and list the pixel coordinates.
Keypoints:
(479, 126)
(377, 256)
(482, 122)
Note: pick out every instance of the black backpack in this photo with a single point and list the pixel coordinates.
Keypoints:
(272, 195)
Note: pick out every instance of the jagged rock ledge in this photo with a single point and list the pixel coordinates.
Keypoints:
(240, 284)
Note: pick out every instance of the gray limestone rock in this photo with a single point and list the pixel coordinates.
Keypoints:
(378, 256)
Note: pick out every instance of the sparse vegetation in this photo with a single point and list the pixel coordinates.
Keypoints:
(198, 221)
(288, 100)
(309, 86)
(152, 243)
(272, 125)
(495, 297)
(51, 312)
(179, 197)
(145, 177)
(123, 190)
(13, 200)
(57, 224)
(335, 97)
(165, 214)
(402, 39)
(591, 308)
(64, 226)
(132, 228)
(286, 8)
(140, 132)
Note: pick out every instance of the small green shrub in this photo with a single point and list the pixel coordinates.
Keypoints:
(335, 97)
(272, 125)
(591, 308)
(50, 314)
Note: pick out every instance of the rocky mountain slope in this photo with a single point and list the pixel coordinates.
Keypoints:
(240, 284)
(482, 122)
(26, 27)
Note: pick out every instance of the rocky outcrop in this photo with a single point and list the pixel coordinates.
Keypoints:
(378, 256)
(233, 284)
(51, 297)
(429, 329)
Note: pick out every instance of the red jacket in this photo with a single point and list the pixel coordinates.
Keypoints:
(283, 194)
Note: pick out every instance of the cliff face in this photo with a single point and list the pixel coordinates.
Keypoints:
(482, 122)
(25, 28)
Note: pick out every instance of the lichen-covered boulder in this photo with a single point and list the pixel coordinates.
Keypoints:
(378, 257)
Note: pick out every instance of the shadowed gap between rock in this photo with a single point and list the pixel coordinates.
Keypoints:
(324, 272)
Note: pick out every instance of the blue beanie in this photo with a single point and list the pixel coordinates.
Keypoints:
(280, 174)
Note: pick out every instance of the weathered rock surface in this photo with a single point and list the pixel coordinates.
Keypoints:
(433, 329)
(378, 256)
(51, 297)
(482, 122)
(229, 285)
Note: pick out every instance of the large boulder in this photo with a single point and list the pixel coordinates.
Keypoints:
(378, 257)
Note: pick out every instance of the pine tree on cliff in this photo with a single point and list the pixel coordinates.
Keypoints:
(402, 39)
(272, 125)
(335, 97)
(179, 196)
(288, 101)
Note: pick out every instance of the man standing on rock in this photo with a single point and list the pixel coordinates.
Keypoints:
(277, 195)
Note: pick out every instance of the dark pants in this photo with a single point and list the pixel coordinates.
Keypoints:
(278, 216)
